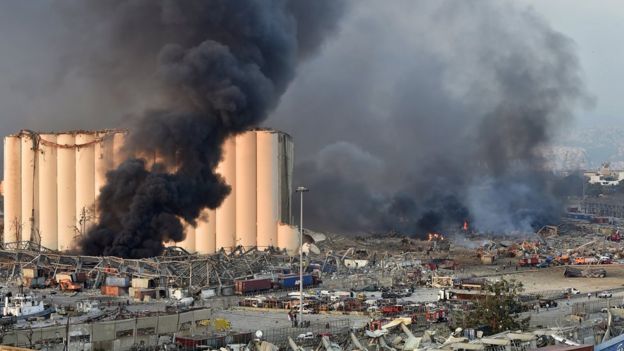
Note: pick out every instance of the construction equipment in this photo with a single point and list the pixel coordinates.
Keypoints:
(615, 236)
(579, 248)
(529, 261)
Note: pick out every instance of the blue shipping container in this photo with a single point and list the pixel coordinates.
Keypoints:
(614, 344)
(293, 281)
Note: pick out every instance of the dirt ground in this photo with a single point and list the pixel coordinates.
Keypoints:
(546, 279)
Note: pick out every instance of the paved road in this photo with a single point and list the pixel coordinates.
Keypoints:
(561, 315)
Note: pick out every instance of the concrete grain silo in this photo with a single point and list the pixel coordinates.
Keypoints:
(188, 243)
(226, 213)
(205, 232)
(84, 211)
(52, 181)
(288, 237)
(47, 206)
(104, 159)
(268, 187)
(118, 143)
(11, 189)
(246, 189)
(66, 190)
(29, 181)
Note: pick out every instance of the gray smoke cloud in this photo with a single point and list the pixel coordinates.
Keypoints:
(181, 75)
(223, 66)
(429, 113)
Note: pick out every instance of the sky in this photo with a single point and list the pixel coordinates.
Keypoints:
(596, 27)
(32, 36)
(398, 77)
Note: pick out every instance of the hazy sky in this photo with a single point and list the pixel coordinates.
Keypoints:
(597, 28)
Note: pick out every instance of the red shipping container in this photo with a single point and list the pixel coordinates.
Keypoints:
(112, 290)
(251, 285)
(80, 277)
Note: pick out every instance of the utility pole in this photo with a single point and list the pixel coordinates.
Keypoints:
(66, 346)
(301, 190)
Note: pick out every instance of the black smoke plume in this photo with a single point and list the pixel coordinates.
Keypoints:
(438, 113)
(222, 67)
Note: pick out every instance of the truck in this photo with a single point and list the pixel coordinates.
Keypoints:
(615, 236)
(391, 309)
(585, 260)
(529, 261)
(252, 285)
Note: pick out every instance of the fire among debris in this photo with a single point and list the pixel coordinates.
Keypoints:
(435, 237)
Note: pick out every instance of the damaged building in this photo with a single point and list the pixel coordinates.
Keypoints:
(604, 206)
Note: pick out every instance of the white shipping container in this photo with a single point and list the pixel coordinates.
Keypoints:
(29, 272)
(61, 277)
(140, 283)
(208, 293)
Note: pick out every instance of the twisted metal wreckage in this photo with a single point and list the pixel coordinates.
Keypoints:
(176, 267)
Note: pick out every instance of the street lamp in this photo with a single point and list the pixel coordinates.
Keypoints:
(301, 190)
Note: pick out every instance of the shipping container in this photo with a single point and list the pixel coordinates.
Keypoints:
(563, 347)
(33, 282)
(140, 294)
(141, 283)
(614, 344)
(63, 277)
(122, 282)
(112, 290)
(580, 216)
(251, 285)
(79, 277)
(208, 293)
(29, 272)
(227, 290)
(292, 280)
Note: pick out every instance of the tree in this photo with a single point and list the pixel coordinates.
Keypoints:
(594, 190)
(499, 308)
(619, 188)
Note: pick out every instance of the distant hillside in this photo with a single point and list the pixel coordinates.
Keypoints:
(588, 149)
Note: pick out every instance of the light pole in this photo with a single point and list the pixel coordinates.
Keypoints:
(301, 190)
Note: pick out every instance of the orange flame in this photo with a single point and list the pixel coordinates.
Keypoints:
(435, 237)
(466, 225)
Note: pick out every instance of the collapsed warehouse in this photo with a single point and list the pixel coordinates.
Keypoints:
(177, 268)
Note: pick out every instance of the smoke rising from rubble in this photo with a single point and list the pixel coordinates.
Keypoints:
(221, 67)
(436, 112)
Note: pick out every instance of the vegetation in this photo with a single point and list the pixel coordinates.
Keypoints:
(594, 190)
(498, 311)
